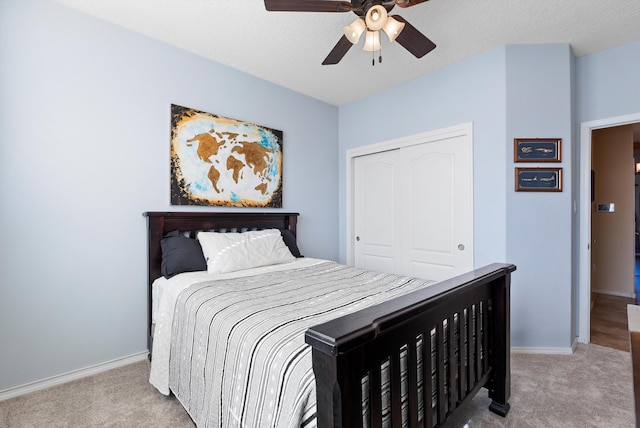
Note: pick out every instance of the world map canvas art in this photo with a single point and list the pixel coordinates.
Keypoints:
(220, 161)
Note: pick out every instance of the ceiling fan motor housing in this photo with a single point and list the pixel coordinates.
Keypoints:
(361, 7)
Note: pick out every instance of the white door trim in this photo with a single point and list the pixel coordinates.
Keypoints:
(584, 254)
(464, 129)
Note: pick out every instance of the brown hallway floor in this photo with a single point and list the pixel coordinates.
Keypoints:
(609, 321)
(637, 279)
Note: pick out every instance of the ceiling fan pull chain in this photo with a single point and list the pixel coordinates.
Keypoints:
(373, 59)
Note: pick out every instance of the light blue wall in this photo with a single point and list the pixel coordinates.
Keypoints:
(608, 83)
(84, 131)
(469, 91)
(539, 224)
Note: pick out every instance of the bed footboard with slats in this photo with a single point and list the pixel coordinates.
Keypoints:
(412, 361)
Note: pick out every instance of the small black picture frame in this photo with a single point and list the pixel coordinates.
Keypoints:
(537, 149)
(538, 179)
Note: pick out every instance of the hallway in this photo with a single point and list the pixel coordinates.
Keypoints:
(637, 279)
(609, 321)
(609, 316)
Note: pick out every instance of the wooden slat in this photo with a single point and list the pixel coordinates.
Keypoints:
(440, 376)
(427, 349)
(464, 387)
(375, 399)
(471, 349)
(395, 381)
(478, 342)
(485, 338)
(412, 379)
(452, 393)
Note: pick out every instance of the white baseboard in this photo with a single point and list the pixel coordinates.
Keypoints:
(550, 351)
(631, 295)
(70, 376)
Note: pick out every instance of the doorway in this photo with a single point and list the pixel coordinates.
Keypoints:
(612, 235)
(584, 231)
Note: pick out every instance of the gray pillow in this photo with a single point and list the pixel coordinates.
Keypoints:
(180, 254)
(290, 240)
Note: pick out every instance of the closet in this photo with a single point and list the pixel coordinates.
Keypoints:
(413, 207)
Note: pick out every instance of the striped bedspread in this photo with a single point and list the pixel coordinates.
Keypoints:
(238, 357)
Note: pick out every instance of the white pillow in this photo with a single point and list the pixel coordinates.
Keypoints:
(229, 252)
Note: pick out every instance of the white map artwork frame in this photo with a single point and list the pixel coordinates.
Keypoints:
(218, 161)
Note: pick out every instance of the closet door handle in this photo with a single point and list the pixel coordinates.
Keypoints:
(460, 247)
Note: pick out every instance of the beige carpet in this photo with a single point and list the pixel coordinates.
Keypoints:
(591, 388)
(121, 397)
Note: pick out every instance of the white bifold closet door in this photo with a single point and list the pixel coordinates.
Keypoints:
(414, 209)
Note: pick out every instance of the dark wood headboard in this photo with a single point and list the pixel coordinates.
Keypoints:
(159, 223)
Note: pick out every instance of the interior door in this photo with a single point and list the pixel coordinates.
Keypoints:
(414, 209)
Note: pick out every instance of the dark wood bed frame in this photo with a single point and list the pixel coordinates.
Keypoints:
(453, 337)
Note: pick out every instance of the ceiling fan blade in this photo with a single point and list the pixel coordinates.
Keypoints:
(409, 3)
(413, 40)
(307, 6)
(338, 51)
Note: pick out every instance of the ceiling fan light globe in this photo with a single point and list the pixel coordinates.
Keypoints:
(354, 30)
(392, 28)
(372, 41)
(376, 17)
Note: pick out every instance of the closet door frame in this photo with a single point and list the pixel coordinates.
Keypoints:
(464, 130)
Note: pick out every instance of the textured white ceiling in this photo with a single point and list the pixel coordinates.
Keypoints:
(288, 48)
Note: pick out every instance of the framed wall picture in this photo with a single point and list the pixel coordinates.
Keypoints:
(537, 149)
(538, 179)
(219, 161)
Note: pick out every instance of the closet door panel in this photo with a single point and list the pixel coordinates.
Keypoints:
(376, 231)
(438, 215)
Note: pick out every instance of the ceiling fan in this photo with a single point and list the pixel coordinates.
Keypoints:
(373, 16)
